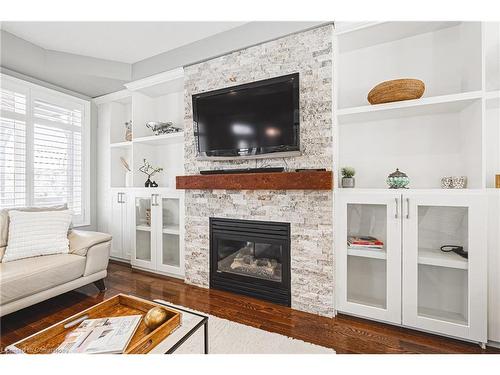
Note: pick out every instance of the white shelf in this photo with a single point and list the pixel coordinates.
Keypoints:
(367, 300)
(171, 229)
(121, 144)
(493, 99)
(493, 190)
(163, 139)
(408, 108)
(495, 94)
(375, 254)
(374, 33)
(168, 229)
(447, 316)
(441, 259)
(433, 191)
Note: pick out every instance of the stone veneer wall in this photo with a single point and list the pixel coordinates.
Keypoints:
(309, 212)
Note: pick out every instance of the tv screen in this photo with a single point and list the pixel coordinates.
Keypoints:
(248, 120)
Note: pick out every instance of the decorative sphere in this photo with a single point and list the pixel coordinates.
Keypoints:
(155, 317)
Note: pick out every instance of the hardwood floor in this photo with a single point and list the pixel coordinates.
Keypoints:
(345, 334)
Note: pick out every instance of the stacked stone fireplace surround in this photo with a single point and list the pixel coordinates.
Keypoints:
(310, 212)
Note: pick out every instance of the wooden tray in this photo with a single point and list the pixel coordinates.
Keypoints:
(46, 341)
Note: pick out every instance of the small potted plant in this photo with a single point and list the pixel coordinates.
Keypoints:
(348, 177)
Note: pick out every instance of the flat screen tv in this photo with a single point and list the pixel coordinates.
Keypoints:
(255, 120)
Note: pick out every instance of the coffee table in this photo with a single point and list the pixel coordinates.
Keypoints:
(45, 341)
(190, 323)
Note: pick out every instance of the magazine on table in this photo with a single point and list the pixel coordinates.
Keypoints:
(364, 242)
(103, 335)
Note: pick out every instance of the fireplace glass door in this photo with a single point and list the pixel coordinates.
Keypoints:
(251, 257)
(259, 259)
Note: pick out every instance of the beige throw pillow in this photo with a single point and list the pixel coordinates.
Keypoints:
(4, 221)
(33, 234)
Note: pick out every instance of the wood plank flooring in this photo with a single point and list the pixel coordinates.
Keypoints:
(345, 334)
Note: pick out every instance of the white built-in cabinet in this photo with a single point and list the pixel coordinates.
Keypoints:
(157, 233)
(453, 130)
(147, 224)
(411, 281)
(368, 282)
(120, 224)
(444, 292)
(493, 264)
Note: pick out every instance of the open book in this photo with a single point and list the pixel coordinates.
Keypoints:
(104, 335)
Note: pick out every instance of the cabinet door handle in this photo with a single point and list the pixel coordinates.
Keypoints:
(155, 200)
(407, 208)
(118, 200)
(397, 208)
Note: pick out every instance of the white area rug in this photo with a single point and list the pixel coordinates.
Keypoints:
(227, 337)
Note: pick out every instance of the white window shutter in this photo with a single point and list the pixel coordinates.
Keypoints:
(13, 191)
(57, 154)
(43, 148)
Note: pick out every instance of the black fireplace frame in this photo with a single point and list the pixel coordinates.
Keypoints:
(271, 231)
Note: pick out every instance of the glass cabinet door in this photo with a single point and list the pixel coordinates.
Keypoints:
(169, 238)
(367, 266)
(369, 248)
(443, 247)
(143, 230)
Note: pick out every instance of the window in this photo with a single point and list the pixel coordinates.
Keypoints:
(44, 148)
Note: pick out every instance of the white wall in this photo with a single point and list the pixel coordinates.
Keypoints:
(87, 75)
(95, 77)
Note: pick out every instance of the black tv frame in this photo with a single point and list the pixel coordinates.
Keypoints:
(269, 152)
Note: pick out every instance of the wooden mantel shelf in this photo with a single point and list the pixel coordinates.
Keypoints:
(307, 180)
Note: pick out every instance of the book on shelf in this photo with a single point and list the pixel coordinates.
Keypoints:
(364, 242)
(101, 336)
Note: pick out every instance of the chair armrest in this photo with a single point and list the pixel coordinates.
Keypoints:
(81, 241)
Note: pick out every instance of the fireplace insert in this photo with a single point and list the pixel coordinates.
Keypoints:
(251, 258)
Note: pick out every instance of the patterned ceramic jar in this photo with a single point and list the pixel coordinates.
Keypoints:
(459, 182)
(398, 180)
(447, 182)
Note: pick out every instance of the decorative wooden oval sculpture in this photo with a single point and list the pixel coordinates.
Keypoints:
(155, 317)
(396, 90)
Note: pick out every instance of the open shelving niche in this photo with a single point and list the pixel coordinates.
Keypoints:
(440, 134)
(156, 98)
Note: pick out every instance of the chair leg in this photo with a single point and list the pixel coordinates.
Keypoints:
(100, 285)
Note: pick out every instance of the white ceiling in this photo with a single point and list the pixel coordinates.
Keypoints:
(126, 42)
